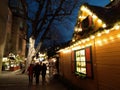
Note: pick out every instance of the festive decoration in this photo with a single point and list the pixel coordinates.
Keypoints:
(93, 32)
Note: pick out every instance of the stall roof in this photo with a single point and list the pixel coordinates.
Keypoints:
(109, 15)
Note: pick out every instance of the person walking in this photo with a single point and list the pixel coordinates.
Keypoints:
(37, 70)
(30, 73)
(44, 68)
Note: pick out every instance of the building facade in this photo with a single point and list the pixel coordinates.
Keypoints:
(13, 34)
(91, 62)
(19, 28)
(3, 23)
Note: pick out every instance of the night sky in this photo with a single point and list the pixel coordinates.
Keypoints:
(65, 28)
(98, 2)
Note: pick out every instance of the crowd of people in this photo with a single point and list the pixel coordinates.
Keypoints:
(35, 71)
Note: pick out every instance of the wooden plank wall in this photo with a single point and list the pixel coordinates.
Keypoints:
(65, 65)
(66, 70)
(108, 61)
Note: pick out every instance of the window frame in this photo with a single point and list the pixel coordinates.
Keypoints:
(88, 66)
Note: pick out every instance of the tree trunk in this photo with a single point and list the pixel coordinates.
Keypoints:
(31, 52)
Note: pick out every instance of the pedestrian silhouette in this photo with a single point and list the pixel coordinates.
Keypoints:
(37, 70)
(44, 68)
(30, 73)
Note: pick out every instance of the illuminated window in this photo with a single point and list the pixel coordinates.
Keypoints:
(83, 62)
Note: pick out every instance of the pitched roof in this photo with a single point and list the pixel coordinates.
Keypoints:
(108, 15)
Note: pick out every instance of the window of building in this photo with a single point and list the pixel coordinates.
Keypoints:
(83, 62)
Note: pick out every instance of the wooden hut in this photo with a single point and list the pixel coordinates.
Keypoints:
(92, 60)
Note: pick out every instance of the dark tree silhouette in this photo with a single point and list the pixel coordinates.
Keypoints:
(42, 13)
(42, 16)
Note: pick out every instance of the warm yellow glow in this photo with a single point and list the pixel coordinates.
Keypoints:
(88, 11)
(117, 27)
(79, 29)
(94, 16)
(75, 44)
(105, 40)
(92, 37)
(40, 54)
(76, 48)
(88, 44)
(73, 40)
(118, 35)
(76, 29)
(71, 46)
(83, 41)
(66, 51)
(99, 21)
(88, 39)
(82, 17)
(61, 50)
(107, 31)
(99, 42)
(67, 48)
(104, 25)
(83, 8)
(99, 34)
(111, 38)
(82, 46)
(79, 42)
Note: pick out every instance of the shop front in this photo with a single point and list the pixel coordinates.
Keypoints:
(11, 62)
(91, 61)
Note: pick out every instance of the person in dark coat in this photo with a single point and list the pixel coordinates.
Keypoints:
(44, 68)
(37, 70)
(30, 73)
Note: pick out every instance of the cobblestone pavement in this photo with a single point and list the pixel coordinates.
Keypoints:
(18, 81)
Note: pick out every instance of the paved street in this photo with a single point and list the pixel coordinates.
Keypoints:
(17, 81)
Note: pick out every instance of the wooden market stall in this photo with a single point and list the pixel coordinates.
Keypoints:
(92, 60)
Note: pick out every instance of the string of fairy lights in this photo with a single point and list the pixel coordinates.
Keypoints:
(82, 43)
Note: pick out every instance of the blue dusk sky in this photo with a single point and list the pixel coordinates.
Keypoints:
(66, 28)
(98, 2)
(68, 32)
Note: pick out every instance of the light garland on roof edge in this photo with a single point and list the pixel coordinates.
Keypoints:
(77, 46)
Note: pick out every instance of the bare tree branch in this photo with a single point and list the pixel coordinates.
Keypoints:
(47, 12)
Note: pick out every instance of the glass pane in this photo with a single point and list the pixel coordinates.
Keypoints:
(77, 53)
(78, 64)
(77, 58)
(82, 59)
(78, 69)
(83, 64)
(83, 70)
(82, 52)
